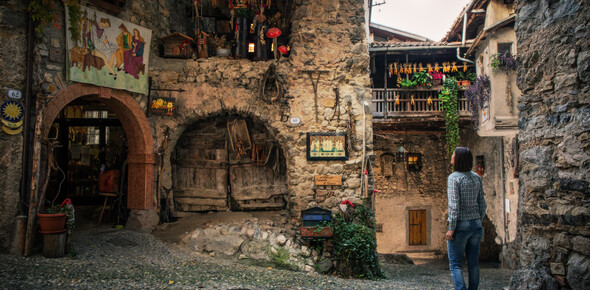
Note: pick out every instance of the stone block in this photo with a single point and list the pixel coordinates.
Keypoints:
(581, 244)
(578, 268)
(142, 220)
(557, 268)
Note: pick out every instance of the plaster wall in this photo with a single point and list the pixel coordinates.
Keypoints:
(393, 213)
(503, 111)
(497, 11)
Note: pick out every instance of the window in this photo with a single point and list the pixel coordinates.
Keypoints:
(414, 162)
(505, 48)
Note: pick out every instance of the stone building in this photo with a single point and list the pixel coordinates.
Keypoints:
(186, 162)
(414, 202)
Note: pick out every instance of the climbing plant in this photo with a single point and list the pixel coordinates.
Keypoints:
(355, 246)
(448, 95)
(44, 12)
(477, 94)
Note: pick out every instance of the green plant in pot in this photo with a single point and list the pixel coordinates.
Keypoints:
(407, 84)
(422, 78)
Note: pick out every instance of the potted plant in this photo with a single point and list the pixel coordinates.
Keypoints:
(222, 46)
(407, 84)
(437, 78)
(508, 61)
(422, 78)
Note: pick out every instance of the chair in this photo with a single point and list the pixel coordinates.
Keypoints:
(110, 185)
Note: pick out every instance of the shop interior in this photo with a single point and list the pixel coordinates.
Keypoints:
(89, 162)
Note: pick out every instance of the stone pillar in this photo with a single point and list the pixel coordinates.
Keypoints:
(140, 177)
(554, 76)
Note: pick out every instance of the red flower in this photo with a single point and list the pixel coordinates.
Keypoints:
(347, 202)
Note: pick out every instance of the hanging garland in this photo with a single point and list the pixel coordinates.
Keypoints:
(449, 98)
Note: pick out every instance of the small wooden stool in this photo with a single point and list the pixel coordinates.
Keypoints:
(104, 205)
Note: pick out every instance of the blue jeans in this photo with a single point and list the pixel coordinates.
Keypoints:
(466, 241)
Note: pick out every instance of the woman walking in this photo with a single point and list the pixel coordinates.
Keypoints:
(467, 208)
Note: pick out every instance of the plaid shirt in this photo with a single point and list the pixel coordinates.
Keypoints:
(466, 200)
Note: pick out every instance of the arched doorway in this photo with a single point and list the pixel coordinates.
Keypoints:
(228, 162)
(141, 157)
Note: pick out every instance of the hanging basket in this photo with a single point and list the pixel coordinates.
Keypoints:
(52, 223)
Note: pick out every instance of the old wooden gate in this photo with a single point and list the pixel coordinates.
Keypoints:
(209, 174)
(417, 227)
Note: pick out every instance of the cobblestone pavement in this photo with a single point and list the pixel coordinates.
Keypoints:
(105, 258)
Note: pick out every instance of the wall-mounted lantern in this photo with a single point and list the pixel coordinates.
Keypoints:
(400, 154)
(480, 165)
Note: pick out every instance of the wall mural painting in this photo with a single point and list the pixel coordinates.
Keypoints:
(327, 146)
(107, 51)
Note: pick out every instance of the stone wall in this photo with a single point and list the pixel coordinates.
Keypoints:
(326, 35)
(554, 77)
(13, 49)
(216, 86)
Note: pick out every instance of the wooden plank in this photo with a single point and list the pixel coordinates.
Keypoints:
(201, 201)
(200, 192)
(328, 179)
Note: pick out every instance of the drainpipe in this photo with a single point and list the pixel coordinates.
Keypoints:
(25, 178)
(463, 39)
(463, 36)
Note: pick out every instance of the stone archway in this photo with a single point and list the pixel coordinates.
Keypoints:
(141, 158)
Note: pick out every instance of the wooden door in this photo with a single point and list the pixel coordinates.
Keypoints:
(418, 227)
(200, 171)
(258, 184)
(208, 174)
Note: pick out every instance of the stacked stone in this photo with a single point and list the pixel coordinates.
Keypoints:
(257, 240)
(554, 76)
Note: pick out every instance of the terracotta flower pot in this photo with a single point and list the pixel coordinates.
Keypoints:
(465, 83)
(52, 223)
(316, 232)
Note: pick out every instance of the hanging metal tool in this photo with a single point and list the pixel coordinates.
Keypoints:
(315, 88)
(336, 105)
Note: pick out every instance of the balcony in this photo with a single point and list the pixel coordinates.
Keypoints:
(395, 105)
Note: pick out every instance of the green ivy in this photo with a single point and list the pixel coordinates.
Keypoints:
(42, 12)
(355, 246)
(449, 97)
(74, 12)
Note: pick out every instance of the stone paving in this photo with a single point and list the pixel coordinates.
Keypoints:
(106, 258)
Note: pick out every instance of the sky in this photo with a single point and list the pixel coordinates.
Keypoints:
(428, 18)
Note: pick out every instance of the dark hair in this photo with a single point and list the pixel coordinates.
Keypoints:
(463, 159)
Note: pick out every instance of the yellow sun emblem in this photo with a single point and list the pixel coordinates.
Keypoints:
(12, 111)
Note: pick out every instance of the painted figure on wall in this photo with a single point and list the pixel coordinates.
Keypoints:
(106, 41)
(99, 45)
(124, 42)
(134, 57)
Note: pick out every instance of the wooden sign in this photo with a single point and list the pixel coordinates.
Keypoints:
(163, 106)
(328, 179)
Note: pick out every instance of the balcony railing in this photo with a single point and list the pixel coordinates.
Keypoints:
(392, 103)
